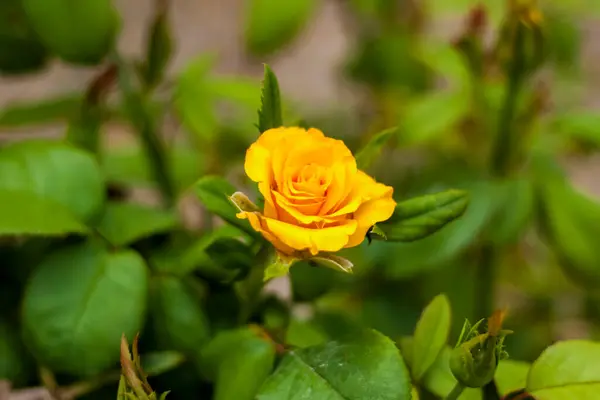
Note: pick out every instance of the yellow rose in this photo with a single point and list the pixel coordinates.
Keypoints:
(316, 199)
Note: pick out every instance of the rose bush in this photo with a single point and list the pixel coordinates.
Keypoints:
(316, 199)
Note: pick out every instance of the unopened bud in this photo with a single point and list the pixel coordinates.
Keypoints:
(474, 360)
(477, 20)
(520, 47)
(470, 43)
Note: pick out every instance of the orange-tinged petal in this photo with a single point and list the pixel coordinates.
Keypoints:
(368, 214)
(303, 214)
(341, 185)
(281, 142)
(255, 222)
(328, 239)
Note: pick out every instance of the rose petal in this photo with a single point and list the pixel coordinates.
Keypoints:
(284, 140)
(328, 239)
(270, 209)
(379, 207)
(341, 185)
(255, 221)
(302, 213)
(258, 163)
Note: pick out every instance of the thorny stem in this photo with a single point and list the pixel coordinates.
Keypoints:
(484, 284)
(146, 126)
(502, 159)
(500, 165)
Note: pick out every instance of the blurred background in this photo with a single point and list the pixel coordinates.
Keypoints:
(497, 97)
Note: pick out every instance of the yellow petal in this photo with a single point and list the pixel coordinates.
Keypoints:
(328, 239)
(258, 163)
(368, 214)
(342, 184)
(303, 214)
(368, 188)
(272, 137)
(255, 221)
(281, 142)
(269, 209)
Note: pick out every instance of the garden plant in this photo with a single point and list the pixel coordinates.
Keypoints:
(421, 245)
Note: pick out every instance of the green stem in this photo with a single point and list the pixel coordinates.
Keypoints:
(500, 165)
(456, 392)
(250, 288)
(502, 159)
(137, 110)
(502, 152)
(158, 158)
(484, 282)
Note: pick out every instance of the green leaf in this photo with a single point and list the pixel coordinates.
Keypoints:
(571, 221)
(25, 213)
(22, 52)
(579, 125)
(372, 149)
(197, 257)
(230, 260)
(563, 37)
(388, 61)
(406, 346)
(422, 216)
(309, 283)
(431, 335)
(160, 49)
(333, 262)
(81, 33)
(164, 395)
(79, 302)
(122, 389)
(236, 89)
(192, 98)
(304, 333)
(128, 165)
(54, 171)
(214, 192)
(124, 223)
(440, 381)
(446, 60)
(417, 124)
(177, 317)
(14, 361)
(511, 375)
(272, 24)
(514, 211)
(159, 362)
(238, 361)
(278, 268)
(269, 114)
(566, 370)
(58, 109)
(443, 246)
(365, 365)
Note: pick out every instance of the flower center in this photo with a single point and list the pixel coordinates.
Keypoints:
(310, 179)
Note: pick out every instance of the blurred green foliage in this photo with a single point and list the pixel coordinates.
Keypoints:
(472, 131)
